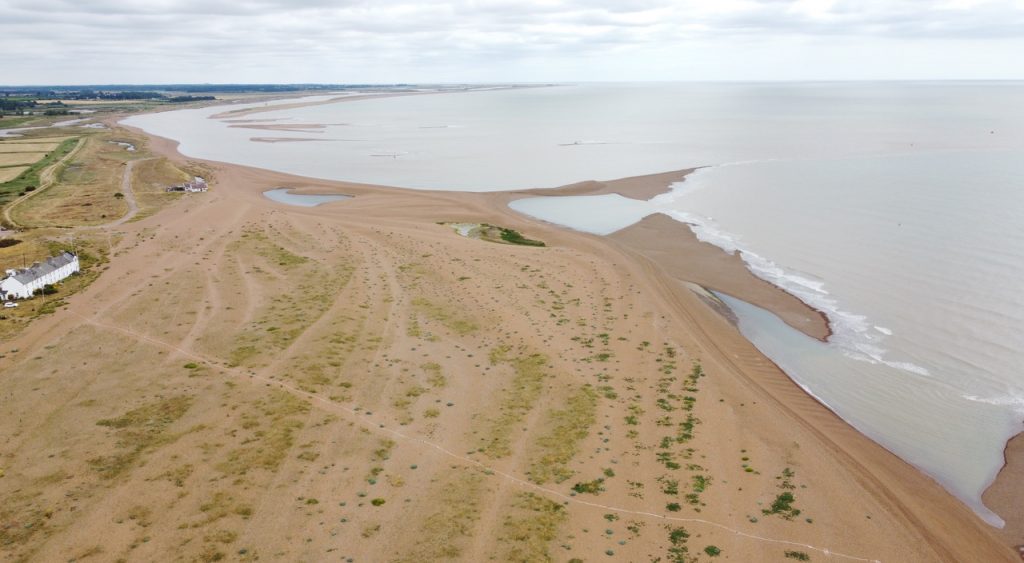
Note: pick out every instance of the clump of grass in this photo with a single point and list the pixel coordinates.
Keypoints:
(435, 377)
(221, 505)
(383, 451)
(179, 475)
(444, 315)
(590, 487)
(568, 428)
(456, 506)
(139, 430)
(262, 245)
(519, 400)
(798, 555)
(513, 236)
(274, 437)
(527, 532)
(678, 551)
(783, 506)
(377, 501)
(783, 503)
(712, 551)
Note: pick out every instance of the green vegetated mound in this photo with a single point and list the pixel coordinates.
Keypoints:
(493, 233)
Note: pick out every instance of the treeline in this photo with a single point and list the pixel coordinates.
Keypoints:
(49, 100)
(16, 104)
(113, 90)
(183, 99)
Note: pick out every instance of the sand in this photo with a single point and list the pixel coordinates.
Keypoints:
(303, 362)
(296, 127)
(637, 187)
(678, 252)
(1004, 496)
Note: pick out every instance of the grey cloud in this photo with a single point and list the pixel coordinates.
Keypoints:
(333, 34)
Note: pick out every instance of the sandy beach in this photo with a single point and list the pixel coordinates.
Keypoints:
(494, 401)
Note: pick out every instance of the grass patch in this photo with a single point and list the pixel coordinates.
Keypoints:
(454, 510)
(263, 246)
(568, 428)
(444, 315)
(139, 430)
(590, 487)
(678, 551)
(435, 377)
(783, 506)
(274, 428)
(519, 400)
(527, 532)
(512, 236)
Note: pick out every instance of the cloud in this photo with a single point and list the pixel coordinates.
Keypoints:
(327, 40)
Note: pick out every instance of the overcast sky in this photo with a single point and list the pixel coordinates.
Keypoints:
(167, 41)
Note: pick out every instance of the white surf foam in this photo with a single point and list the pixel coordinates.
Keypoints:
(851, 332)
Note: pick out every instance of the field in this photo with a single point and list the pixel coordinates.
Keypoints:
(19, 158)
(84, 192)
(11, 172)
(30, 179)
(88, 189)
(16, 147)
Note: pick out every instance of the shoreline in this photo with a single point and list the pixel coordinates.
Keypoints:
(896, 483)
(674, 246)
(1003, 495)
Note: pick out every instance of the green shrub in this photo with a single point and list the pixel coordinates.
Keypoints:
(591, 487)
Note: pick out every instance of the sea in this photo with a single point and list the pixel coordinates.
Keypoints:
(896, 208)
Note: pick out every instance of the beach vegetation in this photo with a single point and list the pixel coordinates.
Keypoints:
(590, 487)
(529, 373)
(139, 430)
(567, 428)
(678, 551)
(454, 507)
(783, 506)
(529, 529)
(447, 316)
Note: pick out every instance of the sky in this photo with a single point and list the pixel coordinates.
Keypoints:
(390, 41)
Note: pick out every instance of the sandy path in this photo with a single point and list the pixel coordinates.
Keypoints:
(129, 195)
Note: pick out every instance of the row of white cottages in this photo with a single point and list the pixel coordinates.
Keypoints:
(21, 284)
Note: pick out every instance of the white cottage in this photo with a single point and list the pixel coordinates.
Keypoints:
(21, 284)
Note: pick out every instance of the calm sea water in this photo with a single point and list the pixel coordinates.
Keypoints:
(896, 208)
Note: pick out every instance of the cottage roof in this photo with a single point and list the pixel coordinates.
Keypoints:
(28, 275)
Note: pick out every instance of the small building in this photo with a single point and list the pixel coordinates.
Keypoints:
(196, 185)
(22, 284)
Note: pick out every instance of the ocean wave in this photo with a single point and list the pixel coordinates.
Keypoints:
(852, 333)
(1014, 401)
